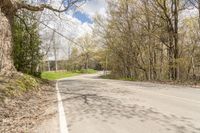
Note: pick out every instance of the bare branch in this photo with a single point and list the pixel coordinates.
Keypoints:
(41, 7)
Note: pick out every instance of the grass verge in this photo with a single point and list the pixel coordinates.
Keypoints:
(109, 76)
(85, 71)
(57, 75)
(195, 84)
(64, 74)
(17, 84)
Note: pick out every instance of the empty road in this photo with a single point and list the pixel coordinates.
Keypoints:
(94, 105)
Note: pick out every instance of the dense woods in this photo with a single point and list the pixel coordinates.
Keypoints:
(151, 39)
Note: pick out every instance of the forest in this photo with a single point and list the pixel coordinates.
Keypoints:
(151, 39)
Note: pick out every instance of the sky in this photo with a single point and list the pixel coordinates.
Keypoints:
(72, 24)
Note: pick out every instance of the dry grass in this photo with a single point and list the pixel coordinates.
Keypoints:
(23, 102)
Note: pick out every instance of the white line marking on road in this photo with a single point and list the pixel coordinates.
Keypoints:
(62, 118)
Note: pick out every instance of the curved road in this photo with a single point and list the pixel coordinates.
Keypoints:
(94, 105)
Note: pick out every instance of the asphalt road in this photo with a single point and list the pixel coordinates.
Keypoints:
(94, 105)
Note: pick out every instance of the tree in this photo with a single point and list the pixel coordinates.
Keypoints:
(8, 9)
(169, 11)
(26, 44)
(87, 49)
(196, 4)
(85, 55)
(148, 40)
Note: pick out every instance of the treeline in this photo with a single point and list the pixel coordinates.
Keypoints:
(85, 55)
(82, 56)
(150, 39)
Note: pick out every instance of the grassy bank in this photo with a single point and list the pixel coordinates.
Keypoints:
(65, 74)
(17, 85)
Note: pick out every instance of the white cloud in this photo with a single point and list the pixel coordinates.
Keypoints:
(94, 6)
(68, 26)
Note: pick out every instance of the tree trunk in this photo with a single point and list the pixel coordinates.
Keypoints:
(170, 56)
(199, 12)
(176, 48)
(6, 61)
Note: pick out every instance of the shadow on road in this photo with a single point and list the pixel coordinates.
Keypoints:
(90, 99)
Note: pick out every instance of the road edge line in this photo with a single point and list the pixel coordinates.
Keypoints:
(62, 117)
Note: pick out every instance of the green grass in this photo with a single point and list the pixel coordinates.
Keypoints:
(17, 85)
(85, 71)
(59, 75)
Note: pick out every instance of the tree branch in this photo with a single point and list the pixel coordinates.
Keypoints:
(41, 7)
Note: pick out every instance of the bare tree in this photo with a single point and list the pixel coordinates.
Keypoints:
(145, 40)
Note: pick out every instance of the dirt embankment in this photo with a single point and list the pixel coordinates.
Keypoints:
(23, 103)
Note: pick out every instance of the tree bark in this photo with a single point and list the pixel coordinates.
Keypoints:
(176, 48)
(6, 61)
(170, 56)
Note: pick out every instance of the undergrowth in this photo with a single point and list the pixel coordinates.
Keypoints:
(17, 85)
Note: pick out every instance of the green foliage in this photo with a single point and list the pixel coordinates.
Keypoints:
(88, 71)
(65, 74)
(26, 48)
(85, 71)
(57, 75)
(84, 57)
(19, 84)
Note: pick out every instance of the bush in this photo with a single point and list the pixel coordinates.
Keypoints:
(26, 46)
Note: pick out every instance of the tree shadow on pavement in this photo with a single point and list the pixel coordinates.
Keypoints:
(84, 100)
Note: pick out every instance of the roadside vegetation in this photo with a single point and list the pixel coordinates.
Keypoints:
(64, 74)
(26, 57)
(22, 99)
(111, 76)
(17, 85)
(27, 44)
(150, 40)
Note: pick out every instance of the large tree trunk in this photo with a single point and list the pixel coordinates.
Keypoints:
(6, 62)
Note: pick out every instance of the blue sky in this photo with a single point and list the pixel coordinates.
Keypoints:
(83, 17)
(87, 11)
